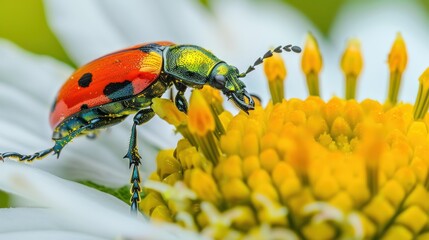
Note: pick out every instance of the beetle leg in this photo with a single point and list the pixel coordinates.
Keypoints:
(92, 135)
(59, 144)
(133, 155)
(180, 100)
(23, 157)
(181, 103)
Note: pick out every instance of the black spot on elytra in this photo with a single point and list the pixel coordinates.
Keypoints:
(84, 106)
(121, 90)
(85, 80)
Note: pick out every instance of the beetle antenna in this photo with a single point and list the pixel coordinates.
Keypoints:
(269, 54)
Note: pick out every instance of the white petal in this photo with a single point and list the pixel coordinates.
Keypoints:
(162, 20)
(119, 24)
(376, 25)
(77, 23)
(47, 235)
(25, 223)
(83, 208)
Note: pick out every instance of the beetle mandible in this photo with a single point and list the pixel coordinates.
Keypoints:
(107, 90)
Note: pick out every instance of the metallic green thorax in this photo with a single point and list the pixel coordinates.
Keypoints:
(191, 64)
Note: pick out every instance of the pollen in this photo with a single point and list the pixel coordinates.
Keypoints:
(297, 168)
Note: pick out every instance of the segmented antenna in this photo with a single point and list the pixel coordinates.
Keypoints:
(268, 54)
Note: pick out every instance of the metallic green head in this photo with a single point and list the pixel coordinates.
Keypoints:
(225, 78)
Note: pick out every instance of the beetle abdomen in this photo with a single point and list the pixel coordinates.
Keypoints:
(114, 77)
(111, 113)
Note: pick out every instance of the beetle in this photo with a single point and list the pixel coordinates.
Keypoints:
(107, 90)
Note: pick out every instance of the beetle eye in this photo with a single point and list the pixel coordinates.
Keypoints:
(219, 81)
(235, 70)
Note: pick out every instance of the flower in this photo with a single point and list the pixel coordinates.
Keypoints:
(300, 168)
(180, 22)
(100, 161)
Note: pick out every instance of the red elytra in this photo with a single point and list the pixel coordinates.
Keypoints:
(139, 67)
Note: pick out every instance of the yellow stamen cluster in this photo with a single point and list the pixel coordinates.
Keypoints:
(298, 169)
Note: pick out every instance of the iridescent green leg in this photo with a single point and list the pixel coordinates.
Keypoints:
(180, 99)
(133, 155)
(59, 144)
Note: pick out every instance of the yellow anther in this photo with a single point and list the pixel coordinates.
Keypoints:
(202, 125)
(167, 164)
(312, 64)
(413, 218)
(397, 62)
(422, 101)
(204, 186)
(161, 212)
(214, 98)
(229, 168)
(351, 61)
(380, 210)
(269, 159)
(166, 110)
(250, 164)
(311, 56)
(235, 191)
(398, 55)
(398, 232)
(351, 64)
(201, 120)
(151, 201)
(275, 71)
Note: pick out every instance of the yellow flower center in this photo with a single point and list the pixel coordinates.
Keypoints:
(298, 169)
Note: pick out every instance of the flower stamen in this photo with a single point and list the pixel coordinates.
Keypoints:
(397, 62)
(312, 64)
(275, 71)
(421, 105)
(351, 64)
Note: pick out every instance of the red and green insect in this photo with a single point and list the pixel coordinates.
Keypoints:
(107, 90)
